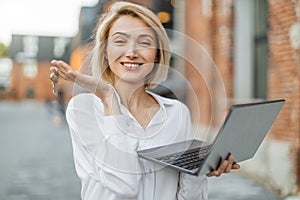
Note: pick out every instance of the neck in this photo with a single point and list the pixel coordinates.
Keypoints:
(131, 95)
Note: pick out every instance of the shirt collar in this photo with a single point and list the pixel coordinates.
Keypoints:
(161, 116)
(161, 100)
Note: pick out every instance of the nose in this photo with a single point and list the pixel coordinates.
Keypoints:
(132, 51)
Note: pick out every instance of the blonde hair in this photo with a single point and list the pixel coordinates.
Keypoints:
(100, 65)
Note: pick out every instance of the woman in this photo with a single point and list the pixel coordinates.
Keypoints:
(120, 116)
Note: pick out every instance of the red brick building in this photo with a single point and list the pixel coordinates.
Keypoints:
(255, 45)
(31, 61)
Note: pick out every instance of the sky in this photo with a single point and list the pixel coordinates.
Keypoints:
(40, 17)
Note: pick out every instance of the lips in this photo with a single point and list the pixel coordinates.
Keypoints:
(131, 65)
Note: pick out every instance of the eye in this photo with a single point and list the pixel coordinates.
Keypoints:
(145, 43)
(120, 41)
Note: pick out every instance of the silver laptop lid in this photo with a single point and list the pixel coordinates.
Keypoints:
(242, 133)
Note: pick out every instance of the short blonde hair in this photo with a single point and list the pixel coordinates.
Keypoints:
(105, 22)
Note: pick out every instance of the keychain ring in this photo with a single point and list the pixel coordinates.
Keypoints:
(54, 75)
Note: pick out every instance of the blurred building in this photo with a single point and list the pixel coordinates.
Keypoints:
(5, 71)
(31, 57)
(252, 44)
(255, 46)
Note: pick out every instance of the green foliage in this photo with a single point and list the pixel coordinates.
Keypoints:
(3, 50)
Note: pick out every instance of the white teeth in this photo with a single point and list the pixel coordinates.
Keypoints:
(131, 64)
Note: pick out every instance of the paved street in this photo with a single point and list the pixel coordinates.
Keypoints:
(236, 187)
(36, 156)
(36, 160)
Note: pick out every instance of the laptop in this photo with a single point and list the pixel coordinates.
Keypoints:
(241, 134)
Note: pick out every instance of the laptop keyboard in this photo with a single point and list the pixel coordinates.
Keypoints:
(190, 159)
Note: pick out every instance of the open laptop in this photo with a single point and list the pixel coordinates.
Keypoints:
(241, 134)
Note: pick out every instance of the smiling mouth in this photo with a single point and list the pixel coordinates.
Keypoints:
(131, 66)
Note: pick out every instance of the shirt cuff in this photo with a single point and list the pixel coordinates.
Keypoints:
(193, 187)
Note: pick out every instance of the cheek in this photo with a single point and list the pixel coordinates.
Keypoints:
(113, 53)
(150, 55)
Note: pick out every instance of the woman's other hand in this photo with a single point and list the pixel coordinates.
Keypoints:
(225, 167)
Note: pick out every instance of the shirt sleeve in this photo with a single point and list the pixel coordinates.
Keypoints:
(104, 147)
(191, 187)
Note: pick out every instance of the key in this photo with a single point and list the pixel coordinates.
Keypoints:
(54, 78)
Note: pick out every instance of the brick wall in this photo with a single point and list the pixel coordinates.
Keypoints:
(222, 52)
(210, 24)
(200, 31)
(284, 75)
(40, 84)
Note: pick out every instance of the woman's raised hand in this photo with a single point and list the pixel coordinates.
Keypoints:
(94, 84)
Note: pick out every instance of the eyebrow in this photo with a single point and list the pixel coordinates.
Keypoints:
(120, 33)
(146, 35)
(127, 35)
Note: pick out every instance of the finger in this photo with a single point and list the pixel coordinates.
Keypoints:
(61, 65)
(64, 65)
(53, 69)
(214, 173)
(209, 174)
(63, 76)
(63, 69)
(220, 170)
(54, 63)
(56, 67)
(223, 166)
(236, 166)
(230, 163)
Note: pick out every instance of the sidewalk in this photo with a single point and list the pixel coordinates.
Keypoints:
(234, 186)
(37, 163)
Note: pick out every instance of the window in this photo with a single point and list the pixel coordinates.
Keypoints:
(30, 69)
(60, 46)
(250, 49)
(29, 92)
(260, 49)
(30, 46)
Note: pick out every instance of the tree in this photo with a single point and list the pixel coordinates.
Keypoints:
(3, 50)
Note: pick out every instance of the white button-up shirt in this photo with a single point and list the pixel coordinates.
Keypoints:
(104, 149)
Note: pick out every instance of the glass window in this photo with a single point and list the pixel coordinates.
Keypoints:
(30, 69)
(250, 49)
(260, 49)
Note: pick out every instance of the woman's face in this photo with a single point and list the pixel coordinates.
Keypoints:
(131, 50)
